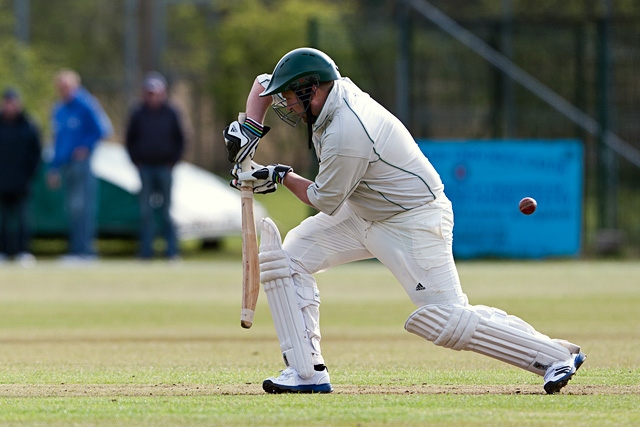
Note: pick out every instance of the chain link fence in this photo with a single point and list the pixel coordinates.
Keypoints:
(452, 93)
(456, 94)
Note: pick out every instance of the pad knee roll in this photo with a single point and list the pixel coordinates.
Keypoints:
(487, 331)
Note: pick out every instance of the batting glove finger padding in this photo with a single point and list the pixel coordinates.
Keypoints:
(264, 187)
(237, 173)
(261, 186)
(274, 173)
(242, 139)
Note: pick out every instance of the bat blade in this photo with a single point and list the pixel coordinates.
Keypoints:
(250, 263)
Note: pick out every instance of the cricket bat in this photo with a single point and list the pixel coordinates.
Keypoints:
(250, 263)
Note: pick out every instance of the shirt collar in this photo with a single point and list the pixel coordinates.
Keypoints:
(330, 106)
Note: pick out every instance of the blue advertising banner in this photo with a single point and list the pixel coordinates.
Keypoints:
(485, 181)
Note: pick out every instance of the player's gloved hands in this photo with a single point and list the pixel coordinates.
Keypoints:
(260, 186)
(274, 173)
(242, 139)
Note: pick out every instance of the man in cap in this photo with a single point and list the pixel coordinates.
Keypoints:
(155, 142)
(378, 197)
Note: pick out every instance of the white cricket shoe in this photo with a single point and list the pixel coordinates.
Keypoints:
(290, 382)
(559, 373)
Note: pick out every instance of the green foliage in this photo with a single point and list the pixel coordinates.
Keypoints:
(192, 47)
(231, 42)
(218, 47)
(253, 37)
(23, 69)
(83, 35)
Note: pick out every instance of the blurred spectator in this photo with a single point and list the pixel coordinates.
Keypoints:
(155, 142)
(79, 122)
(19, 158)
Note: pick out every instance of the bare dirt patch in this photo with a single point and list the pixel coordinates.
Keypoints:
(128, 390)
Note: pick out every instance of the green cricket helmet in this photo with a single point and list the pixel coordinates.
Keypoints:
(299, 68)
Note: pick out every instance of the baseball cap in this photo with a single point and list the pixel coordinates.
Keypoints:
(10, 93)
(154, 82)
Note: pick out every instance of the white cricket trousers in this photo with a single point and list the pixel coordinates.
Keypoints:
(416, 246)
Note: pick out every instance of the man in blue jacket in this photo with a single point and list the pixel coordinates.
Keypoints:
(19, 158)
(79, 122)
(155, 142)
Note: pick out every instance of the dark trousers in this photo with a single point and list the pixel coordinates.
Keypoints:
(14, 227)
(156, 194)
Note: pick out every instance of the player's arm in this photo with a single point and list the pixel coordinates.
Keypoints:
(257, 106)
(331, 188)
(298, 186)
(242, 139)
(331, 191)
(337, 179)
(265, 179)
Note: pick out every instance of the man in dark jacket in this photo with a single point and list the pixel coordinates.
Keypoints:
(19, 158)
(155, 142)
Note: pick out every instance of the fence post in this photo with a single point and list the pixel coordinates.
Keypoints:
(403, 67)
(22, 24)
(131, 64)
(508, 86)
(608, 238)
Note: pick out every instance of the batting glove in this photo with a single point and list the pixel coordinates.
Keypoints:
(260, 186)
(274, 173)
(242, 139)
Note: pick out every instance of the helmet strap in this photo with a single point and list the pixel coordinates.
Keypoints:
(311, 118)
(310, 128)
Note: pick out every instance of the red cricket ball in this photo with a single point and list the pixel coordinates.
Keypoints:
(528, 205)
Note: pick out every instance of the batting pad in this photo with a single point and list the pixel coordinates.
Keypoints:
(277, 283)
(488, 331)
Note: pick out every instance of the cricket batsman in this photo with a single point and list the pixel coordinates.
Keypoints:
(378, 196)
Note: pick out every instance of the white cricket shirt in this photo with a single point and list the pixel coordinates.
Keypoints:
(367, 158)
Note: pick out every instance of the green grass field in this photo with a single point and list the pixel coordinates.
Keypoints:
(122, 343)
